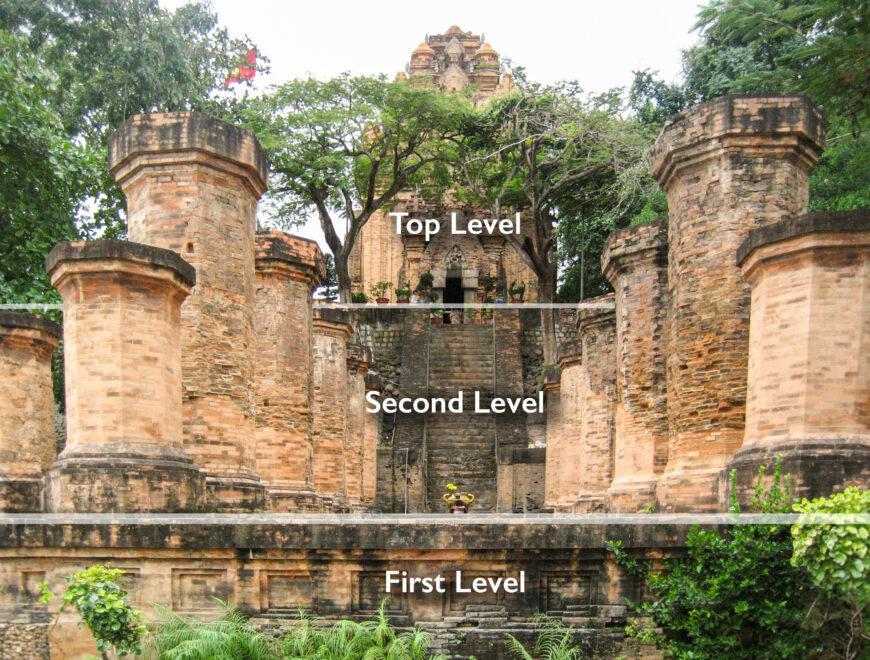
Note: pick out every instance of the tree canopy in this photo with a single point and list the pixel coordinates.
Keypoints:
(345, 147)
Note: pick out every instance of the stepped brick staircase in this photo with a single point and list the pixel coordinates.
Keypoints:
(461, 448)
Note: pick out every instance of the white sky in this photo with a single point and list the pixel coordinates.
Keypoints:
(597, 43)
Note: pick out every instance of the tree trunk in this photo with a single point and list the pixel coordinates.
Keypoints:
(343, 275)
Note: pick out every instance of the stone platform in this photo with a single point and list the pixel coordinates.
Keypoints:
(334, 565)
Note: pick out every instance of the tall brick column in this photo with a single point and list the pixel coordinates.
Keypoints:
(332, 328)
(552, 465)
(597, 400)
(359, 358)
(192, 185)
(635, 262)
(288, 268)
(122, 359)
(569, 477)
(26, 409)
(727, 166)
(372, 435)
(808, 396)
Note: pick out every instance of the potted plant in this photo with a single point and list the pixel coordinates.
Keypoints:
(457, 501)
(378, 291)
(437, 315)
(516, 291)
(359, 297)
(403, 294)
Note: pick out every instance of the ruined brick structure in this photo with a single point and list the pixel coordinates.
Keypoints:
(460, 265)
(201, 379)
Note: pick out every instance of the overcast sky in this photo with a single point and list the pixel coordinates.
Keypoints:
(597, 43)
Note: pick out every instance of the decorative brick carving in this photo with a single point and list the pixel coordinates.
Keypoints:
(635, 262)
(809, 365)
(192, 185)
(26, 409)
(122, 358)
(288, 268)
(727, 166)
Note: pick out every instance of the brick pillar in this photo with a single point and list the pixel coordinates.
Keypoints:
(372, 435)
(570, 357)
(552, 471)
(288, 268)
(727, 166)
(597, 397)
(192, 185)
(26, 409)
(808, 393)
(332, 328)
(122, 359)
(359, 358)
(635, 261)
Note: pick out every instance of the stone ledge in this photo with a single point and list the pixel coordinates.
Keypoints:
(522, 533)
(123, 250)
(180, 131)
(822, 222)
(30, 322)
(278, 246)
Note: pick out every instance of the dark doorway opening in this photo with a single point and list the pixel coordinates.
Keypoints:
(453, 295)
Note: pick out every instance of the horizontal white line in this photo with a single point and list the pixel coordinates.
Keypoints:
(32, 306)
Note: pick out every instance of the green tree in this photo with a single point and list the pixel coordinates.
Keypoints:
(330, 282)
(101, 62)
(44, 175)
(345, 147)
(543, 151)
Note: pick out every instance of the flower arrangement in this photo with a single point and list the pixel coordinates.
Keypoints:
(457, 501)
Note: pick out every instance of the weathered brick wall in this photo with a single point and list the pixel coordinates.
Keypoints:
(809, 365)
(332, 328)
(24, 641)
(122, 359)
(554, 448)
(372, 423)
(635, 262)
(269, 566)
(358, 361)
(596, 394)
(192, 185)
(727, 166)
(288, 268)
(27, 447)
(569, 458)
(522, 480)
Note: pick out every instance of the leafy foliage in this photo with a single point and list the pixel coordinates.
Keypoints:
(73, 71)
(43, 174)
(736, 594)
(345, 147)
(233, 636)
(555, 641)
(837, 558)
(101, 601)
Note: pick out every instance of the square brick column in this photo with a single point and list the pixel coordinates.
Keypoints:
(595, 386)
(635, 260)
(332, 328)
(192, 185)
(288, 268)
(122, 359)
(569, 477)
(554, 450)
(727, 166)
(359, 358)
(371, 440)
(809, 361)
(27, 446)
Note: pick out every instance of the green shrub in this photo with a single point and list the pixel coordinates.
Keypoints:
(101, 601)
(736, 594)
(555, 641)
